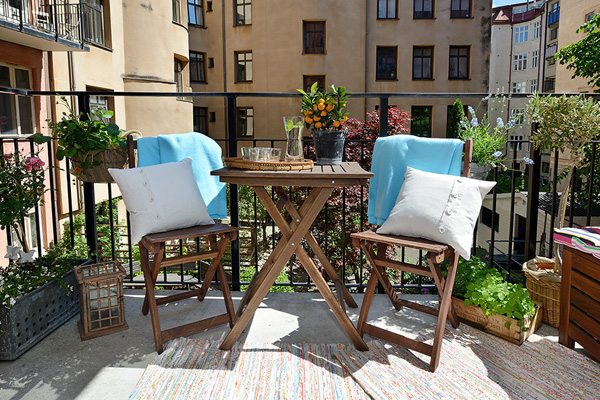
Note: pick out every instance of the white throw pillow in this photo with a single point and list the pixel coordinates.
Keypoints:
(161, 198)
(438, 207)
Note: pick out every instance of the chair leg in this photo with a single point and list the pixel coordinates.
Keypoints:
(366, 304)
(440, 283)
(380, 272)
(226, 294)
(445, 304)
(153, 268)
(150, 300)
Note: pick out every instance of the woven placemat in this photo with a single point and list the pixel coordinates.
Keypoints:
(239, 163)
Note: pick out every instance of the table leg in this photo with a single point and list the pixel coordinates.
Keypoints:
(284, 249)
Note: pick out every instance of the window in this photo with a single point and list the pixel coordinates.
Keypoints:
(459, 62)
(243, 12)
(460, 9)
(551, 50)
(521, 34)
(533, 85)
(386, 63)
(101, 102)
(516, 142)
(422, 62)
(537, 29)
(517, 116)
(16, 112)
(534, 59)
(308, 80)
(176, 11)
(519, 87)
(545, 167)
(489, 218)
(201, 120)
(549, 84)
(30, 224)
(243, 66)
(197, 67)
(423, 9)
(314, 37)
(387, 9)
(519, 62)
(420, 124)
(92, 21)
(195, 12)
(553, 34)
(245, 122)
(178, 75)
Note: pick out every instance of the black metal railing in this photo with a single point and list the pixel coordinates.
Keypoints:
(521, 210)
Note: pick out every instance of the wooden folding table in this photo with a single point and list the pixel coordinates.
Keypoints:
(322, 181)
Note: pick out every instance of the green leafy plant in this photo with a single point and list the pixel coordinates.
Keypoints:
(21, 189)
(583, 57)
(485, 287)
(455, 115)
(324, 109)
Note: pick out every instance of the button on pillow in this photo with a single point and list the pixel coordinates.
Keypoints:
(438, 207)
(161, 198)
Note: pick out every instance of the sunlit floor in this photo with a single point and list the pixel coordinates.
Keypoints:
(64, 367)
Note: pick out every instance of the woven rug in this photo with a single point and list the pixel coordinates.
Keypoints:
(197, 369)
(474, 365)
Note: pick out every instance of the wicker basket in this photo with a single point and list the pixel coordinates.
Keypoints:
(544, 286)
(102, 159)
(239, 163)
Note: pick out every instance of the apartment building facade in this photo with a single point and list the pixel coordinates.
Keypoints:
(366, 46)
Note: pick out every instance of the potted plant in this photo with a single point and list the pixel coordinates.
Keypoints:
(567, 124)
(488, 141)
(483, 298)
(93, 144)
(325, 114)
(33, 299)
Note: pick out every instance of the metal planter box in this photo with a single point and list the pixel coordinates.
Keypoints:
(36, 315)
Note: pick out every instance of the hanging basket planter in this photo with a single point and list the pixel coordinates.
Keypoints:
(93, 166)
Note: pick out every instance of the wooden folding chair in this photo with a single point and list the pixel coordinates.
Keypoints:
(375, 248)
(153, 259)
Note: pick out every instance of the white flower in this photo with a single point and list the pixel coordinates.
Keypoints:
(499, 122)
(474, 122)
(497, 154)
(528, 161)
(510, 123)
(471, 111)
(12, 302)
(464, 125)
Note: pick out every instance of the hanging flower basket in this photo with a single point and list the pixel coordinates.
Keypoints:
(93, 166)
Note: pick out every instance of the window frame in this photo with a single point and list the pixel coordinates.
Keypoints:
(95, 32)
(236, 58)
(305, 37)
(195, 5)
(247, 17)
(239, 124)
(535, 58)
(379, 77)
(422, 57)
(194, 120)
(423, 14)
(176, 4)
(459, 57)
(521, 34)
(15, 102)
(198, 64)
(430, 119)
(520, 61)
(387, 3)
(460, 13)
(178, 75)
(306, 87)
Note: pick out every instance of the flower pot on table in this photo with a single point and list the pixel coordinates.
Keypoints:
(329, 146)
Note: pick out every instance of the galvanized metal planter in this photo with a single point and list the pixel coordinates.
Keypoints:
(36, 315)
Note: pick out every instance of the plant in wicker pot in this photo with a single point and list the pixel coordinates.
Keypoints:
(567, 124)
(91, 142)
(325, 115)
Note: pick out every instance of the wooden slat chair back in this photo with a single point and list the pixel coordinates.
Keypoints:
(375, 247)
(154, 258)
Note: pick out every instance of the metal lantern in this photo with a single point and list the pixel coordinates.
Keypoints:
(102, 305)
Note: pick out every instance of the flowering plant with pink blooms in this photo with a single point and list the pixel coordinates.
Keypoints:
(21, 189)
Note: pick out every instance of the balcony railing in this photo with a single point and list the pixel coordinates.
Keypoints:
(553, 16)
(522, 234)
(55, 20)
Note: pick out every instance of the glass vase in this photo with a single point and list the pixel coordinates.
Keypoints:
(293, 129)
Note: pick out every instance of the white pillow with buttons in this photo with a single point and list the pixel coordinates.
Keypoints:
(161, 198)
(438, 207)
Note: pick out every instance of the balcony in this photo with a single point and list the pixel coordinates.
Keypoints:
(49, 25)
(553, 16)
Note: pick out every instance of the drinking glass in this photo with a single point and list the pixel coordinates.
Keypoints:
(275, 155)
(293, 126)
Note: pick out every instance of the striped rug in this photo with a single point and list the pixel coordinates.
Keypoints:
(197, 369)
(475, 365)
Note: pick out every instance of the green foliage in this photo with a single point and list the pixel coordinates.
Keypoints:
(566, 123)
(456, 114)
(324, 109)
(78, 136)
(486, 288)
(504, 179)
(247, 273)
(21, 189)
(583, 57)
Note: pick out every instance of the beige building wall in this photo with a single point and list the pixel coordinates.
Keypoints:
(571, 18)
(352, 36)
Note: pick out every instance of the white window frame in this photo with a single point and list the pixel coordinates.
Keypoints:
(535, 58)
(533, 85)
(519, 87)
(517, 115)
(537, 29)
(12, 80)
(522, 34)
(519, 62)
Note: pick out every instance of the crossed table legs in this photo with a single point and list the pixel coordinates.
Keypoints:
(291, 242)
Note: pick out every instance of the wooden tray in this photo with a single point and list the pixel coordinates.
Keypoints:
(239, 163)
